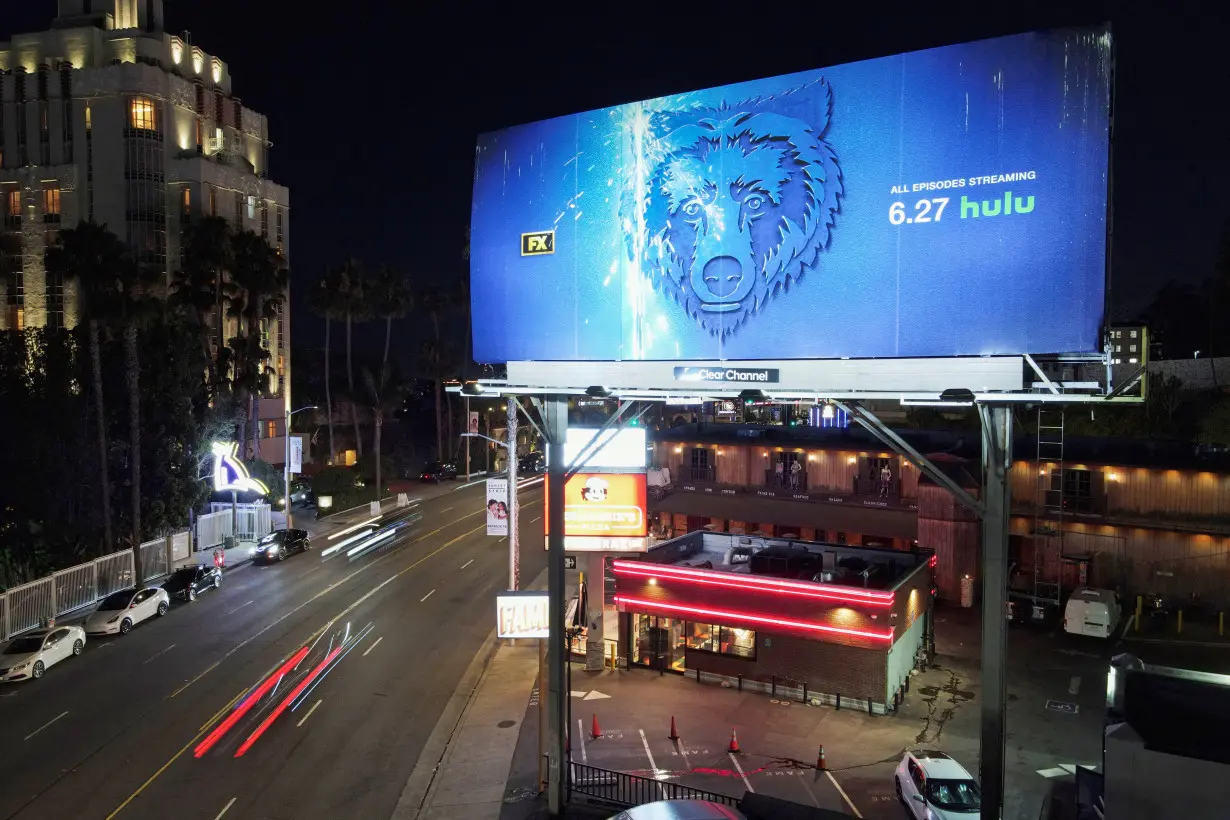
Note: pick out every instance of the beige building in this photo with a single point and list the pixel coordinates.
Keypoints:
(106, 117)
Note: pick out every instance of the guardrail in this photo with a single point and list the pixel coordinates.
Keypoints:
(621, 789)
(26, 607)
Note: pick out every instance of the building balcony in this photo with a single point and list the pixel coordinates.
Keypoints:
(786, 480)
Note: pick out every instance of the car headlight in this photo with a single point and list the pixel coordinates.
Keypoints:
(113, 620)
(21, 666)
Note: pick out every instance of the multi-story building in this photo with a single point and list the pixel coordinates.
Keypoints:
(108, 118)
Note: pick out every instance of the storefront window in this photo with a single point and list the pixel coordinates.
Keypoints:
(722, 640)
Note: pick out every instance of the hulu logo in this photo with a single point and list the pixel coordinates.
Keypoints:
(971, 209)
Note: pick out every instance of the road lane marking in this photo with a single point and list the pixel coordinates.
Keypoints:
(156, 654)
(369, 649)
(44, 726)
(209, 723)
(428, 595)
(687, 764)
(1074, 686)
(843, 794)
(226, 808)
(652, 765)
(467, 563)
(581, 738)
(314, 705)
(311, 638)
(739, 769)
(536, 518)
(448, 509)
(241, 606)
(337, 584)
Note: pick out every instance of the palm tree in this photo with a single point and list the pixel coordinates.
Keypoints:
(260, 285)
(388, 298)
(202, 284)
(94, 257)
(436, 356)
(138, 302)
(354, 308)
(385, 395)
(326, 302)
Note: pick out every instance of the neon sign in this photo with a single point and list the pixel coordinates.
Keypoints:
(759, 584)
(229, 472)
(723, 617)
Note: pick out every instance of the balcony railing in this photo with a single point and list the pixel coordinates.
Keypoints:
(786, 480)
(692, 473)
(624, 789)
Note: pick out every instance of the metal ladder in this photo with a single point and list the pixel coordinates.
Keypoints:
(1049, 508)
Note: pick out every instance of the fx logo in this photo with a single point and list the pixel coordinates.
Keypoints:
(537, 243)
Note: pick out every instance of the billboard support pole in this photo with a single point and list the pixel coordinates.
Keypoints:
(467, 438)
(555, 424)
(514, 512)
(996, 465)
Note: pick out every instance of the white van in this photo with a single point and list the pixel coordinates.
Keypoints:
(1093, 612)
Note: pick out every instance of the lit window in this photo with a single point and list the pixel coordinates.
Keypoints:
(198, 60)
(51, 201)
(12, 203)
(722, 640)
(141, 114)
(271, 429)
(217, 71)
(187, 200)
(251, 207)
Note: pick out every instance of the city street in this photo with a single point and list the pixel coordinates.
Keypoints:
(116, 732)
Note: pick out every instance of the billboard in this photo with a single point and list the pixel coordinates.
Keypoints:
(497, 506)
(938, 203)
(522, 615)
(603, 511)
(621, 448)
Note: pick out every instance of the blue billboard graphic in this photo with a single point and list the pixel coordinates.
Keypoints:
(939, 203)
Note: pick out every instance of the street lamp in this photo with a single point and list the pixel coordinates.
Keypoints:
(286, 461)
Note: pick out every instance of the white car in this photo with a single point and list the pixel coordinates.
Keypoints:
(933, 786)
(29, 656)
(121, 611)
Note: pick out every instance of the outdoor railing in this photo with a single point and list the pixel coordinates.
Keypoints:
(624, 789)
(28, 606)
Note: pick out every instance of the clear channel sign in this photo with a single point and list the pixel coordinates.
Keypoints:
(940, 203)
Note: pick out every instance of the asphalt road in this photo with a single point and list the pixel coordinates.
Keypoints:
(389, 632)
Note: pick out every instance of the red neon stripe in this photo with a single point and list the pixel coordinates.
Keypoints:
(731, 583)
(753, 581)
(276, 713)
(242, 709)
(764, 619)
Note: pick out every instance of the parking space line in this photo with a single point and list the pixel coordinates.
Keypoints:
(226, 808)
(581, 736)
(652, 765)
(241, 606)
(739, 769)
(428, 595)
(156, 654)
(369, 649)
(843, 794)
(310, 711)
(44, 726)
(467, 563)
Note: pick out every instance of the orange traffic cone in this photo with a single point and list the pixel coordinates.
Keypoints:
(820, 764)
(674, 734)
(594, 731)
(733, 748)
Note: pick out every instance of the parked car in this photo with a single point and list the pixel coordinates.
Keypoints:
(188, 582)
(532, 463)
(439, 471)
(278, 544)
(30, 655)
(933, 786)
(1094, 612)
(120, 611)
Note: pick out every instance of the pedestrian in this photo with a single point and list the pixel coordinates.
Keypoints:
(886, 480)
(796, 472)
(780, 467)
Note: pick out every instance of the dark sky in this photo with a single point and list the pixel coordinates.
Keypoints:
(374, 114)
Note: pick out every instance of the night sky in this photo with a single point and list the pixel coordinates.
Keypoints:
(374, 114)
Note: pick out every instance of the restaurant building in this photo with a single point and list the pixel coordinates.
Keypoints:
(827, 621)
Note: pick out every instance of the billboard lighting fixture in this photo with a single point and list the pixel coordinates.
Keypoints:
(958, 394)
(827, 411)
(750, 396)
(471, 389)
(597, 391)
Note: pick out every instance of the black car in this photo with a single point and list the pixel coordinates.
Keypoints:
(437, 472)
(532, 463)
(278, 544)
(188, 582)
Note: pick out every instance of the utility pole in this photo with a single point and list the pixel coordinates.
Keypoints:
(468, 430)
(514, 504)
(555, 424)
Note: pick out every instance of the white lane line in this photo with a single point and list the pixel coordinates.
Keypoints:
(156, 654)
(428, 595)
(1074, 686)
(535, 518)
(581, 737)
(241, 606)
(652, 765)
(373, 646)
(843, 794)
(45, 725)
(739, 769)
(467, 563)
(226, 808)
(310, 711)
(687, 764)
(447, 509)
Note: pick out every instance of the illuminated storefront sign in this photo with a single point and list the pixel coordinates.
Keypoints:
(522, 615)
(604, 511)
(229, 472)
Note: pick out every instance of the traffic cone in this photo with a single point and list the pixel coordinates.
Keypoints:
(674, 734)
(820, 764)
(733, 748)
(594, 731)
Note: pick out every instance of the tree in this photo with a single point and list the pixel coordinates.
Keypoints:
(354, 309)
(437, 358)
(259, 280)
(388, 298)
(385, 395)
(203, 287)
(93, 257)
(137, 305)
(326, 301)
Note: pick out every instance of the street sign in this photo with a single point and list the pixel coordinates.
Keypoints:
(497, 506)
(570, 562)
(296, 454)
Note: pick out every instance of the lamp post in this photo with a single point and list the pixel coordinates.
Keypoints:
(286, 460)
